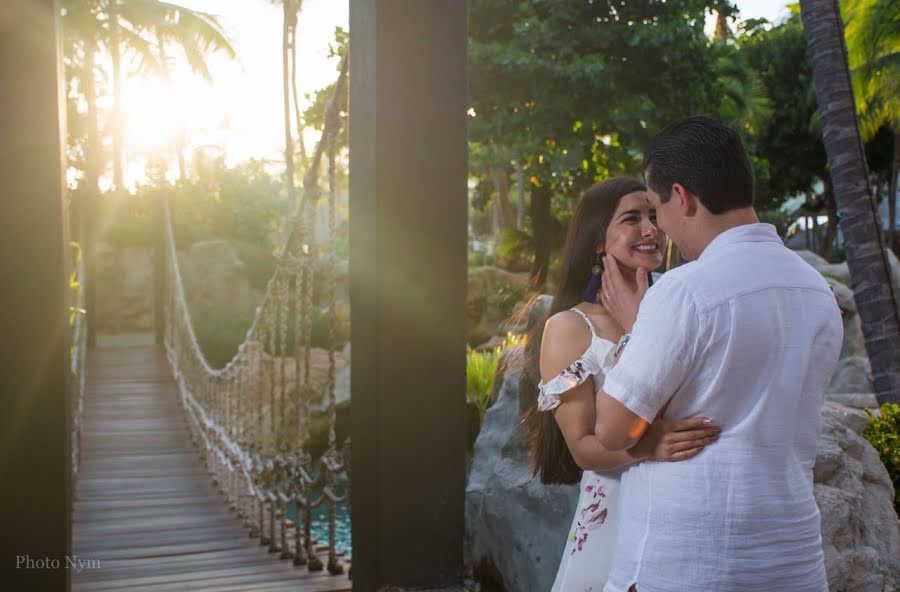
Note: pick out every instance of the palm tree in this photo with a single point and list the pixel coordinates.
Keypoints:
(873, 41)
(288, 75)
(866, 258)
(92, 27)
(142, 29)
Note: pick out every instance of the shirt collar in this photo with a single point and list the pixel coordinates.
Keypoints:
(746, 233)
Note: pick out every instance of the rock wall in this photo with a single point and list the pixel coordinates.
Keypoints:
(215, 283)
(124, 289)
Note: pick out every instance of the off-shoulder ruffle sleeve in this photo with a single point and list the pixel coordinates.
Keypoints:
(596, 360)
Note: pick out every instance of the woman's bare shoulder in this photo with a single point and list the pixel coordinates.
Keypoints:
(566, 338)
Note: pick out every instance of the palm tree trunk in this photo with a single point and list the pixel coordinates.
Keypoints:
(180, 135)
(289, 20)
(301, 144)
(721, 35)
(859, 222)
(115, 52)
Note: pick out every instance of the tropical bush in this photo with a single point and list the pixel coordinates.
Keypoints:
(883, 432)
(482, 369)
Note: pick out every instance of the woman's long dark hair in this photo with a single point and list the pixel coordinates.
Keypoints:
(551, 459)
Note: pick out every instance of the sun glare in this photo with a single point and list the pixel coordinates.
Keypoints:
(152, 117)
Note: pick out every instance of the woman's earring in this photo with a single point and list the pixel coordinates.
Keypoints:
(590, 293)
(597, 269)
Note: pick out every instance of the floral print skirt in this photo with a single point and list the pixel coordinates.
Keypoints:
(588, 555)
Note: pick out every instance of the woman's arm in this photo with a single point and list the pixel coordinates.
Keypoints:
(565, 339)
(575, 417)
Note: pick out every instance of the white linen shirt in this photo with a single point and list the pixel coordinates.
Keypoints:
(748, 335)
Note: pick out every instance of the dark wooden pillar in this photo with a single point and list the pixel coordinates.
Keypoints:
(35, 497)
(408, 285)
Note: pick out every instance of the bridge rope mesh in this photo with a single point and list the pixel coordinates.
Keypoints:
(250, 422)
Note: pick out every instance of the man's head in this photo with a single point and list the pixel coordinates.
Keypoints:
(697, 170)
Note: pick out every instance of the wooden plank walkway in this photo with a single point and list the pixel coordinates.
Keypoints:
(145, 508)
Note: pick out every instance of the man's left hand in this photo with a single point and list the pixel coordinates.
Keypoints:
(621, 299)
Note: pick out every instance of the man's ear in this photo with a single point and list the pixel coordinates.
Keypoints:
(687, 201)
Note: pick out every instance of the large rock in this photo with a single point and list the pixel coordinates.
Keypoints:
(124, 289)
(516, 527)
(854, 343)
(838, 271)
(860, 534)
(853, 375)
(894, 266)
(215, 282)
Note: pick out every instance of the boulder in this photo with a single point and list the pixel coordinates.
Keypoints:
(854, 400)
(860, 535)
(838, 271)
(516, 528)
(124, 289)
(215, 283)
(853, 375)
(854, 344)
(894, 266)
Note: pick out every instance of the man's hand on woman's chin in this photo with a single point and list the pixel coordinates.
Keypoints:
(619, 297)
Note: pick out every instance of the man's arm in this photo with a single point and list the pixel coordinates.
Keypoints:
(651, 367)
(616, 426)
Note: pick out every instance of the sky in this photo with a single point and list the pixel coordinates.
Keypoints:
(243, 112)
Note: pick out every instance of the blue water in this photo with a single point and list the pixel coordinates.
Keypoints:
(319, 527)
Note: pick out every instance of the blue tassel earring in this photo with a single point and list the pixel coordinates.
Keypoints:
(590, 293)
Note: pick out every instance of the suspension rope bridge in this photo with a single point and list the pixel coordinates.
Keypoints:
(176, 462)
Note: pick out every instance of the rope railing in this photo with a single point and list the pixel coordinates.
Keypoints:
(249, 420)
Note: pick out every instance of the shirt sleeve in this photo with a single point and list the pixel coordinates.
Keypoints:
(661, 350)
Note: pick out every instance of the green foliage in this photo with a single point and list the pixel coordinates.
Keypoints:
(258, 260)
(777, 218)
(479, 259)
(481, 370)
(573, 91)
(515, 249)
(872, 29)
(504, 298)
(789, 151)
(245, 203)
(883, 432)
(314, 116)
(219, 338)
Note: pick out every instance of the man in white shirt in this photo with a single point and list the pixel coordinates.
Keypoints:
(747, 334)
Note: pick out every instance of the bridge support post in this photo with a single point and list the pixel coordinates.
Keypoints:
(35, 455)
(408, 246)
(160, 253)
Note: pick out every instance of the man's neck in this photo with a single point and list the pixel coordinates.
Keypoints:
(714, 225)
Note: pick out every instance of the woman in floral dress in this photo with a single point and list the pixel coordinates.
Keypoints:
(578, 345)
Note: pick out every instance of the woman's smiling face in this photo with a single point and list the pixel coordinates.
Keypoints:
(633, 237)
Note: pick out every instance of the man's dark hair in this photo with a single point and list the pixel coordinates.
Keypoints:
(706, 157)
